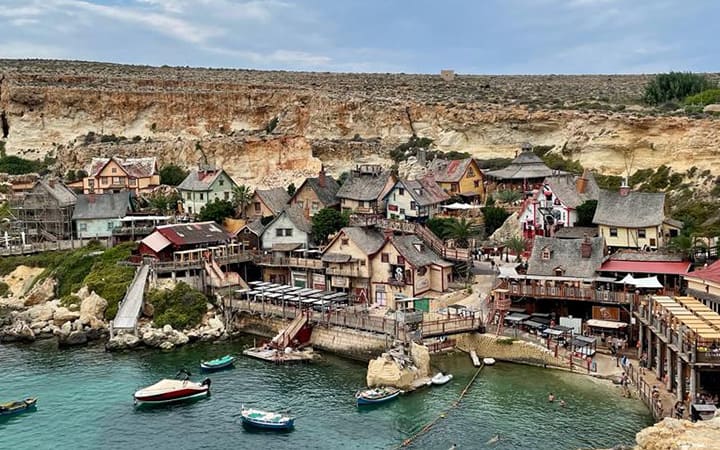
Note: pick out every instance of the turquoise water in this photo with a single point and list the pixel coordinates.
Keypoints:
(86, 403)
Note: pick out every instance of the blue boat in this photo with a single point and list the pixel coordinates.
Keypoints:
(218, 364)
(266, 420)
(18, 407)
(376, 395)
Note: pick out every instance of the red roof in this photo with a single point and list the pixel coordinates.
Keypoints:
(710, 273)
(661, 267)
(193, 233)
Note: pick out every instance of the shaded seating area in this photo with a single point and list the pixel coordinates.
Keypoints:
(293, 296)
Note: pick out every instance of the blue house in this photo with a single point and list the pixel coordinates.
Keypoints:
(96, 215)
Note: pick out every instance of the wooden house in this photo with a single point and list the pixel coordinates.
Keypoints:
(266, 203)
(112, 175)
(44, 212)
(461, 177)
(316, 193)
(364, 190)
(415, 200)
(203, 186)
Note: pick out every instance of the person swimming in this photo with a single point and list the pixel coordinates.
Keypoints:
(551, 397)
(562, 403)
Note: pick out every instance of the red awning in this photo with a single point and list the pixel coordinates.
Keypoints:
(660, 267)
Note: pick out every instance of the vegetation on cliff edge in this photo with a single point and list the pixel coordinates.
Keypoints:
(180, 307)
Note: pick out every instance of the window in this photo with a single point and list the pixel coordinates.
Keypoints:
(201, 196)
(344, 241)
(401, 191)
(384, 257)
(470, 172)
(189, 195)
(226, 195)
(113, 170)
(300, 203)
(545, 253)
(362, 262)
(315, 206)
(82, 227)
(110, 226)
(413, 205)
(641, 234)
(221, 182)
(652, 242)
(279, 232)
(105, 180)
(402, 210)
(116, 180)
(476, 183)
(256, 206)
(133, 182)
(613, 232)
(400, 260)
(91, 183)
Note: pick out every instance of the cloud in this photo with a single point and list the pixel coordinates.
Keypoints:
(24, 50)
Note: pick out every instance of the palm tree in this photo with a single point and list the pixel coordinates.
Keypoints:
(682, 245)
(461, 231)
(517, 245)
(241, 198)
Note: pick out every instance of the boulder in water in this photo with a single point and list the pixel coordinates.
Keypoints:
(122, 341)
(74, 338)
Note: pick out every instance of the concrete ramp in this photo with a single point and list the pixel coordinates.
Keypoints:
(130, 306)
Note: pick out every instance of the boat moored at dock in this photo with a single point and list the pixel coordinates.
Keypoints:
(377, 395)
(440, 378)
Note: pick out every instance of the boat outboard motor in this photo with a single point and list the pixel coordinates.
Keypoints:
(206, 382)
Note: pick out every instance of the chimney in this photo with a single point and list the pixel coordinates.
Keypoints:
(581, 183)
(624, 188)
(586, 248)
(321, 176)
(388, 233)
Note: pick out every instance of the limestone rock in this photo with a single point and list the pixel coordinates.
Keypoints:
(148, 310)
(672, 434)
(92, 306)
(41, 293)
(167, 328)
(83, 293)
(384, 371)
(421, 357)
(19, 331)
(43, 311)
(75, 337)
(177, 338)
(40, 324)
(153, 337)
(509, 229)
(123, 341)
(167, 345)
(216, 324)
(713, 108)
(12, 303)
(62, 315)
(21, 279)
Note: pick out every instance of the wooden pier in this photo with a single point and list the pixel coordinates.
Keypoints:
(281, 357)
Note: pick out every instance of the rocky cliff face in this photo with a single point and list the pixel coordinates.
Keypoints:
(673, 434)
(48, 106)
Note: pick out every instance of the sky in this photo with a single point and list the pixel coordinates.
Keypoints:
(410, 36)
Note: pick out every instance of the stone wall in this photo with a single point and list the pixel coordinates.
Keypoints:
(487, 345)
(350, 343)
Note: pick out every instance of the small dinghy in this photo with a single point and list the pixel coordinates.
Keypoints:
(266, 420)
(441, 378)
(218, 364)
(169, 391)
(489, 361)
(18, 407)
(376, 395)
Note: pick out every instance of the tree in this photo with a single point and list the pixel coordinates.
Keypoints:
(343, 177)
(674, 86)
(494, 218)
(172, 175)
(164, 203)
(217, 210)
(439, 226)
(327, 221)
(585, 213)
(242, 196)
(291, 189)
(517, 245)
(461, 231)
(507, 196)
(71, 175)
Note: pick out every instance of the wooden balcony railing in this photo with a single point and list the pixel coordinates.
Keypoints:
(304, 263)
(136, 231)
(571, 293)
(343, 270)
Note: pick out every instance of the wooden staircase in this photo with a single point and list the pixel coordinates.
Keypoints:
(285, 337)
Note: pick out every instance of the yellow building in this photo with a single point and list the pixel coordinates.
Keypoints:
(459, 177)
(112, 175)
(628, 219)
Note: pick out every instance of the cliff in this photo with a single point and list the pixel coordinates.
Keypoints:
(673, 434)
(48, 107)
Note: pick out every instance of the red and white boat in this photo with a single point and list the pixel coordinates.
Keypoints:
(167, 391)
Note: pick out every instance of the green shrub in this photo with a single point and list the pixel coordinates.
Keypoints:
(439, 226)
(494, 218)
(505, 341)
(706, 97)
(181, 307)
(410, 148)
(667, 87)
(507, 196)
(15, 165)
(172, 175)
(4, 289)
(109, 280)
(557, 162)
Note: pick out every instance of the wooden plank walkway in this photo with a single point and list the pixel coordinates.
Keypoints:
(129, 311)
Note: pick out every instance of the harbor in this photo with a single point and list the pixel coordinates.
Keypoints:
(506, 401)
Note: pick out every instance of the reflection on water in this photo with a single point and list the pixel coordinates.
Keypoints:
(90, 392)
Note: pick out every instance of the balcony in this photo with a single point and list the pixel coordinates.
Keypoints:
(303, 263)
(135, 231)
(346, 270)
(570, 293)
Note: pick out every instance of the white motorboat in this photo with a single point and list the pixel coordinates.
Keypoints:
(489, 361)
(441, 378)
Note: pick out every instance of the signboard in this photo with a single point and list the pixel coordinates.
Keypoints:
(318, 281)
(340, 282)
(299, 279)
(606, 313)
(397, 273)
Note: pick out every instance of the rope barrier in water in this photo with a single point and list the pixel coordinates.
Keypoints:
(407, 442)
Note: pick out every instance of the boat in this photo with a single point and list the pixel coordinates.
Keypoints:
(266, 420)
(218, 364)
(18, 407)
(489, 361)
(440, 379)
(376, 395)
(168, 391)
